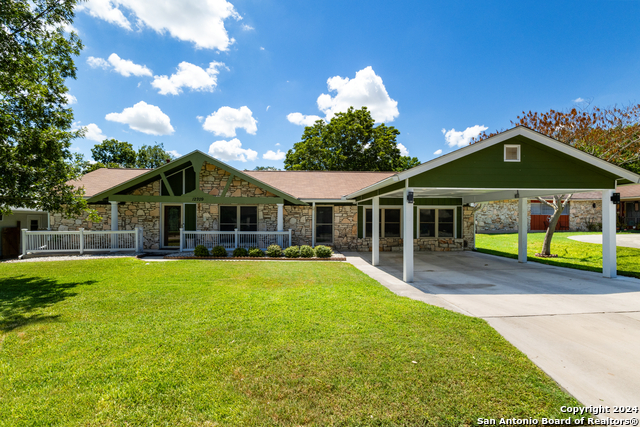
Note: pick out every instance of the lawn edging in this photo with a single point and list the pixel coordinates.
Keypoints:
(189, 255)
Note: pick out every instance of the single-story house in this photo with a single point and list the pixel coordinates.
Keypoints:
(10, 226)
(429, 207)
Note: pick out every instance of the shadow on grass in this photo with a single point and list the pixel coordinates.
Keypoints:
(22, 297)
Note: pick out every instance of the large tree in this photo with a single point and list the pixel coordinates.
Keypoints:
(36, 57)
(612, 134)
(349, 142)
(114, 152)
(152, 156)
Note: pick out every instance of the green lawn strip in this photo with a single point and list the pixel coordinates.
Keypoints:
(125, 342)
(571, 253)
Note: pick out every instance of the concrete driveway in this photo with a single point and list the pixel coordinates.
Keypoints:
(583, 330)
(625, 240)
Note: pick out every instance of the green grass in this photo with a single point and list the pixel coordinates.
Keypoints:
(571, 253)
(125, 342)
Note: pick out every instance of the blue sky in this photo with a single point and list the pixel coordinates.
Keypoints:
(228, 77)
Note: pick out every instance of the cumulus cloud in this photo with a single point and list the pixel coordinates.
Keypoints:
(271, 155)
(578, 100)
(124, 67)
(70, 98)
(246, 27)
(188, 75)
(403, 150)
(97, 62)
(198, 21)
(302, 120)
(94, 133)
(463, 138)
(229, 151)
(174, 153)
(144, 118)
(226, 120)
(437, 152)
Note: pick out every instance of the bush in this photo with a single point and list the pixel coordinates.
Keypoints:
(323, 251)
(238, 252)
(201, 250)
(292, 252)
(219, 251)
(274, 251)
(256, 252)
(306, 251)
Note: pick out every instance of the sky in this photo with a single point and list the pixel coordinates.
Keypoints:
(240, 79)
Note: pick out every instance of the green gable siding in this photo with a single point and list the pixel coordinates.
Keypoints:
(540, 167)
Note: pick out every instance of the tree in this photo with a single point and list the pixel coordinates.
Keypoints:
(152, 156)
(266, 168)
(612, 134)
(36, 56)
(114, 152)
(349, 142)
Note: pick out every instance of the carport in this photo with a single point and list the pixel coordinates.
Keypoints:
(516, 164)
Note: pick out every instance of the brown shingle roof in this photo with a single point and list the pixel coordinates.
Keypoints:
(626, 192)
(318, 184)
(103, 179)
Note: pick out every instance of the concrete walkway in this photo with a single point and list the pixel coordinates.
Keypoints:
(583, 330)
(625, 240)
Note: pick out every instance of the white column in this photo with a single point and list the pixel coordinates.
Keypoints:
(280, 216)
(407, 238)
(609, 267)
(313, 225)
(522, 229)
(114, 225)
(375, 230)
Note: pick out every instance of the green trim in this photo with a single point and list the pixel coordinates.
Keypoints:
(226, 187)
(382, 191)
(417, 202)
(198, 197)
(166, 184)
(190, 221)
(360, 221)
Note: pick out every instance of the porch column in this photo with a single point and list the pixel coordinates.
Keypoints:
(280, 216)
(522, 229)
(609, 267)
(407, 236)
(375, 230)
(114, 225)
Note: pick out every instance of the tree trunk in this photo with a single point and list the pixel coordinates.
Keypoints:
(553, 221)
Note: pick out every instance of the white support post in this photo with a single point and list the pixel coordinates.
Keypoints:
(81, 237)
(114, 225)
(236, 239)
(24, 242)
(375, 231)
(280, 216)
(609, 262)
(289, 237)
(182, 240)
(313, 225)
(522, 230)
(407, 239)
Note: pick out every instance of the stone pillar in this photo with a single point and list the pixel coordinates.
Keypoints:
(609, 264)
(280, 216)
(375, 230)
(407, 236)
(522, 229)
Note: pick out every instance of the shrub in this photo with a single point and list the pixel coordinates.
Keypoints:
(306, 251)
(219, 251)
(292, 252)
(238, 252)
(323, 251)
(256, 252)
(274, 251)
(201, 250)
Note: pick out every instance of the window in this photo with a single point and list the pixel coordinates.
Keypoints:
(324, 224)
(181, 182)
(437, 222)
(244, 218)
(511, 153)
(390, 222)
(544, 209)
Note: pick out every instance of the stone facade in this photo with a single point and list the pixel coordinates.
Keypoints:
(583, 213)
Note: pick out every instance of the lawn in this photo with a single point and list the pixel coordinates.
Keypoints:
(198, 343)
(571, 253)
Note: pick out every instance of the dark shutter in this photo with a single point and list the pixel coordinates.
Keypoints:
(190, 217)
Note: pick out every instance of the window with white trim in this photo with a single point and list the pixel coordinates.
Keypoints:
(511, 153)
(390, 222)
(244, 218)
(437, 222)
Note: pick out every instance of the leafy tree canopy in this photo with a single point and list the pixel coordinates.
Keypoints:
(266, 168)
(152, 156)
(36, 57)
(349, 142)
(112, 151)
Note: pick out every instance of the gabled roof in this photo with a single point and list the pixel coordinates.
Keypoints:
(626, 192)
(102, 179)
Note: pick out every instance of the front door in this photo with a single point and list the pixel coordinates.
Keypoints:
(172, 222)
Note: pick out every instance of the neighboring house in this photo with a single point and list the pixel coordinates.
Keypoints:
(583, 210)
(10, 226)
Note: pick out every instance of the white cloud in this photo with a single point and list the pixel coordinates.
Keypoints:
(437, 152)
(268, 106)
(94, 133)
(365, 90)
(200, 118)
(246, 27)
(174, 153)
(226, 120)
(277, 144)
(302, 120)
(578, 100)
(403, 150)
(70, 98)
(127, 68)
(261, 48)
(462, 139)
(271, 155)
(197, 21)
(97, 62)
(190, 76)
(144, 118)
(228, 151)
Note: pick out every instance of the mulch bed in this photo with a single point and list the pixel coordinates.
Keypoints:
(189, 255)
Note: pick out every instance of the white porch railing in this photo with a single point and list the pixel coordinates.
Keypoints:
(81, 241)
(234, 239)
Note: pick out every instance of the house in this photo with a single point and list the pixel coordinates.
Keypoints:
(362, 211)
(10, 226)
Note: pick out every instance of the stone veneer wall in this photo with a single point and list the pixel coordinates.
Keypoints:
(582, 213)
